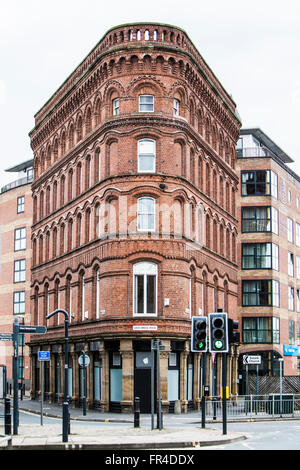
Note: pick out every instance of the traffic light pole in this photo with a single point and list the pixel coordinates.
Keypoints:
(224, 374)
(203, 383)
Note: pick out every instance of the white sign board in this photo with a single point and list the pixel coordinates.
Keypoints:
(251, 359)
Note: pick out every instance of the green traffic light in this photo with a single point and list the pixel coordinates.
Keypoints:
(218, 344)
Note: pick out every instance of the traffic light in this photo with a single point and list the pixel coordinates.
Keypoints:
(199, 334)
(218, 332)
(233, 336)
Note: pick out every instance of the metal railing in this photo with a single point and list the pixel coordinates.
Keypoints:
(255, 406)
(16, 183)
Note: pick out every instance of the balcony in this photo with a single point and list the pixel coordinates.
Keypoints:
(19, 182)
(253, 152)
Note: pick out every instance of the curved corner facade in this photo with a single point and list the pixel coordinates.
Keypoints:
(134, 217)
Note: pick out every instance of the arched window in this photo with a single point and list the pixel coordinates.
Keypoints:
(145, 288)
(146, 156)
(146, 214)
(97, 302)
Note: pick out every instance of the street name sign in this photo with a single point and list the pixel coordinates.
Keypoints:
(6, 337)
(44, 356)
(251, 359)
(32, 329)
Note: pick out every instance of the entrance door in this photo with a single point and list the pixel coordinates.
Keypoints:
(142, 380)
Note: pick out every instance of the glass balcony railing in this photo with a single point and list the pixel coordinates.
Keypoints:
(253, 152)
(19, 182)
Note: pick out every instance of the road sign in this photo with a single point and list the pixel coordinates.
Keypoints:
(44, 356)
(86, 360)
(251, 359)
(32, 329)
(6, 337)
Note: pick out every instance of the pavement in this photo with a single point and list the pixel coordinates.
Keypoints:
(119, 434)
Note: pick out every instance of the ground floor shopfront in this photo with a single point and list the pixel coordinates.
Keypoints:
(120, 370)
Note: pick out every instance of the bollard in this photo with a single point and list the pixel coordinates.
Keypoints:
(137, 412)
(7, 416)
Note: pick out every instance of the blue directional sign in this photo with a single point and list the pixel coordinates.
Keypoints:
(290, 350)
(44, 356)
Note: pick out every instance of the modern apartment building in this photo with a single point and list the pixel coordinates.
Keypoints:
(134, 220)
(15, 263)
(269, 253)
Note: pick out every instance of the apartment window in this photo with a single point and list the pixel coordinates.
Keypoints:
(298, 300)
(19, 303)
(259, 219)
(146, 156)
(146, 214)
(116, 106)
(20, 239)
(261, 330)
(290, 264)
(260, 256)
(20, 204)
(19, 270)
(291, 298)
(298, 338)
(145, 288)
(176, 107)
(260, 293)
(146, 103)
(290, 228)
(298, 266)
(291, 332)
(259, 183)
(297, 234)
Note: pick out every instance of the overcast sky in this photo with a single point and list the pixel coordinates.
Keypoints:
(252, 47)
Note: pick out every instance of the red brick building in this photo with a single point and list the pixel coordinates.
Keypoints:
(15, 264)
(134, 217)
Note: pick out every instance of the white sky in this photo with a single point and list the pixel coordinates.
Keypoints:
(253, 48)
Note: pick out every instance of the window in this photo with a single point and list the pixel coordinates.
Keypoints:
(290, 230)
(291, 298)
(298, 339)
(290, 264)
(176, 107)
(19, 270)
(259, 183)
(260, 293)
(146, 214)
(145, 288)
(259, 219)
(20, 204)
(116, 106)
(146, 156)
(20, 239)
(291, 332)
(298, 266)
(19, 302)
(297, 202)
(260, 256)
(146, 103)
(289, 195)
(261, 330)
(298, 300)
(297, 234)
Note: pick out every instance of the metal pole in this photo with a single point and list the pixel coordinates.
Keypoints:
(65, 414)
(22, 363)
(203, 384)
(15, 375)
(280, 363)
(42, 390)
(84, 385)
(159, 424)
(247, 388)
(152, 385)
(257, 373)
(224, 374)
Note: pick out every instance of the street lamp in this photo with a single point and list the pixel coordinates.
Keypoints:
(65, 420)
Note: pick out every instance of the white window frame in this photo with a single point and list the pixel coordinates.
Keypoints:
(290, 230)
(20, 270)
(140, 213)
(98, 294)
(145, 269)
(140, 155)
(20, 239)
(116, 107)
(176, 107)
(291, 298)
(290, 264)
(297, 234)
(143, 104)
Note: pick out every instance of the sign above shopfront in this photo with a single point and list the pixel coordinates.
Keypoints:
(290, 350)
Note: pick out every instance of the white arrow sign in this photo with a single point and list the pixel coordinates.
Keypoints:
(251, 359)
